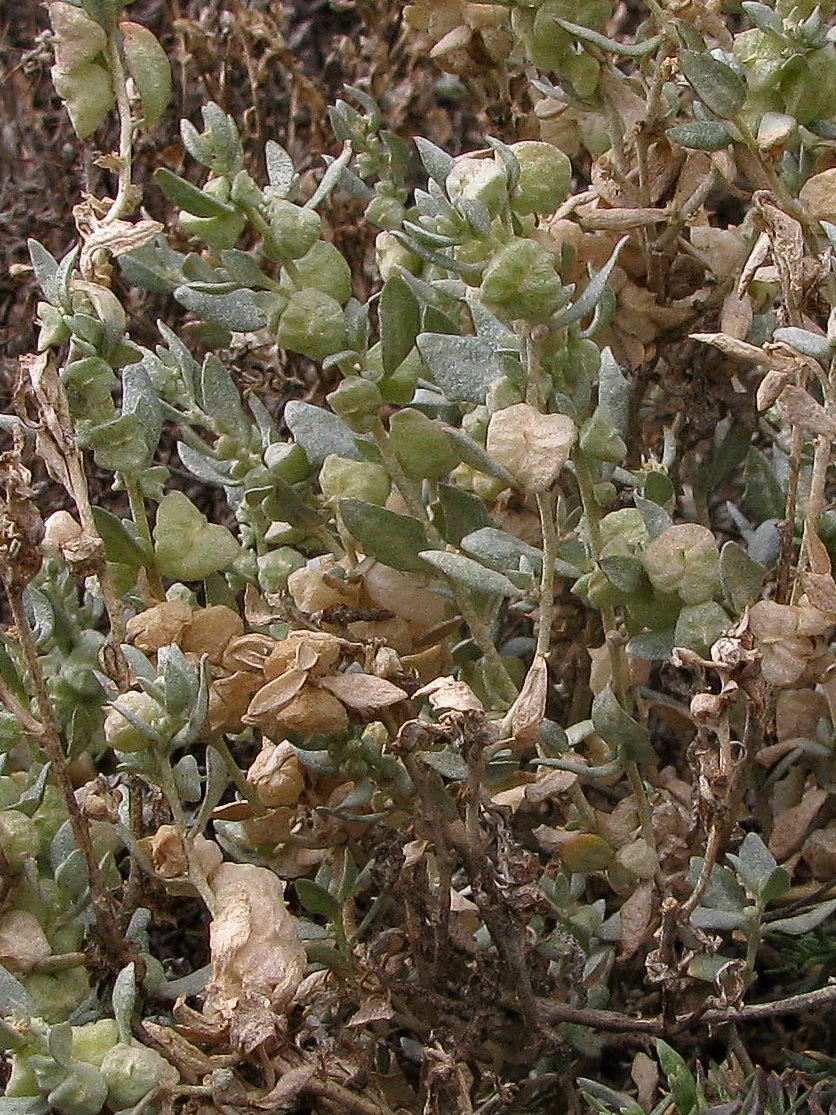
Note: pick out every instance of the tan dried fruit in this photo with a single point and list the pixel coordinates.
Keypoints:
(210, 630)
(158, 626)
(258, 960)
(407, 595)
(316, 652)
(311, 710)
(785, 652)
(364, 693)
(248, 652)
(277, 775)
(273, 696)
(229, 699)
(532, 446)
(818, 195)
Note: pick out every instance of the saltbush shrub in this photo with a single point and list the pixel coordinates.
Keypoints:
(422, 743)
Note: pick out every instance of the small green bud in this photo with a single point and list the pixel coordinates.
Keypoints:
(18, 837)
(82, 1092)
(425, 451)
(312, 323)
(357, 401)
(385, 212)
(521, 282)
(275, 567)
(121, 734)
(340, 478)
(295, 229)
(684, 560)
(478, 180)
(287, 461)
(324, 268)
(699, 626)
(131, 1071)
(545, 177)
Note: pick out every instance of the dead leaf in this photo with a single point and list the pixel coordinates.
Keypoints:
(526, 714)
(791, 825)
(801, 409)
(23, 943)
(364, 693)
(636, 913)
(258, 960)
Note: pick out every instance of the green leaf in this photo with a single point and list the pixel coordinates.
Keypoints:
(681, 1081)
(725, 460)
(437, 163)
(179, 680)
(319, 432)
(472, 453)
(204, 467)
(317, 899)
(715, 83)
(462, 367)
(220, 398)
(701, 135)
(400, 321)
(502, 551)
(470, 573)
(617, 728)
(14, 996)
(155, 267)
(763, 496)
(140, 398)
(655, 646)
(593, 293)
(122, 543)
(459, 513)
(119, 445)
(449, 764)
(802, 340)
(625, 573)
(656, 518)
(740, 576)
(395, 540)
(280, 169)
(236, 310)
(758, 869)
(189, 197)
(803, 923)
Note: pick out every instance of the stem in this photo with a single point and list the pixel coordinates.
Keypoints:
(238, 777)
(49, 737)
(169, 788)
(115, 63)
(139, 515)
(546, 502)
(478, 628)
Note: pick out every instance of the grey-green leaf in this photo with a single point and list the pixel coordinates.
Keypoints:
(740, 576)
(715, 83)
(701, 135)
(615, 725)
(189, 197)
(396, 540)
(319, 432)
(472, 574)
(400, 321)
(237, 310)
(463, 367)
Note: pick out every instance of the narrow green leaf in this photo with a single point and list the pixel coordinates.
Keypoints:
(400, 321)
(317, 899)
(396, 540)
(470, 573)
(715, 83)
(449, 764)
(740, 576)
(804, 341)
(237, 311)
(803, 923)
(614, 725)
(190, 197)
(463, 367)
(319, 432)
(701, 135)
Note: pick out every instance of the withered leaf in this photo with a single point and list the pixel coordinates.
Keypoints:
(258, 960)
(363, 692)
